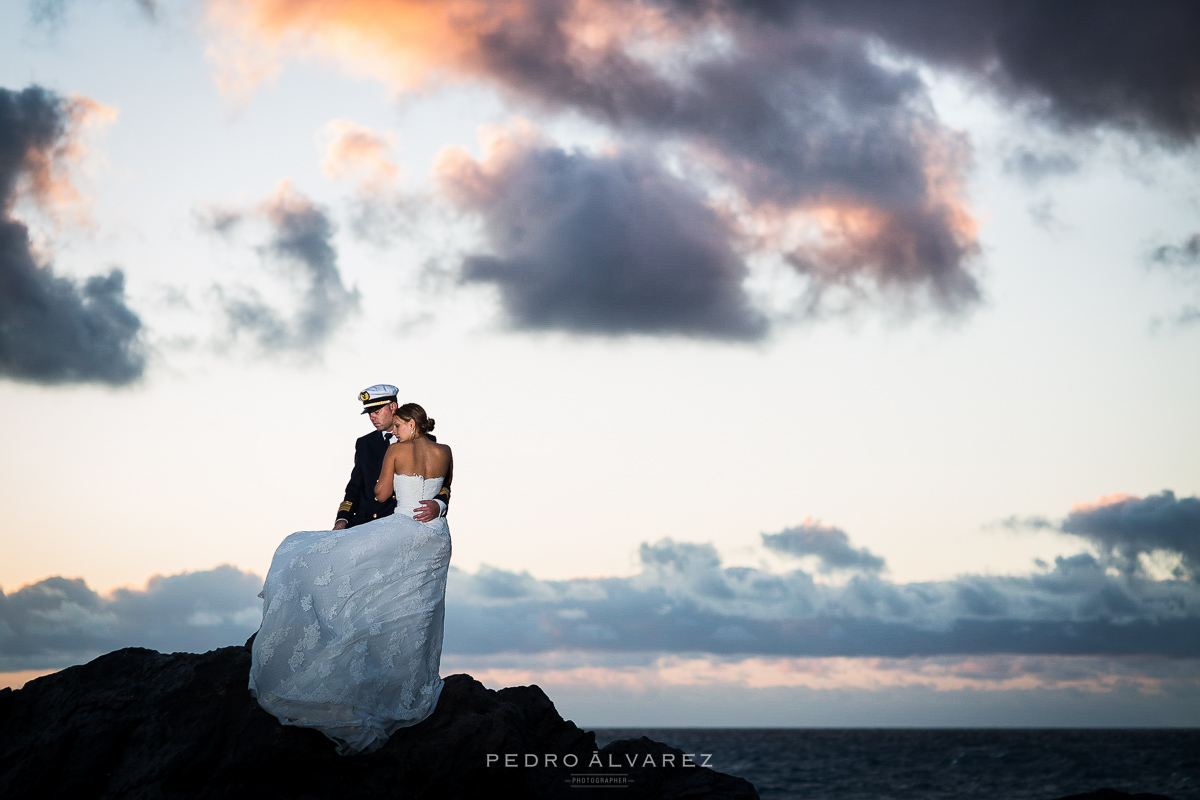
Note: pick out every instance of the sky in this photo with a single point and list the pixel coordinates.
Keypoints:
(805, 363)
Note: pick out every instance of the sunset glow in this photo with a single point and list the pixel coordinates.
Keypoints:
(811, 364)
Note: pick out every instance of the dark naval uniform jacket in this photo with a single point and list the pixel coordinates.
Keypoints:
(360, 505)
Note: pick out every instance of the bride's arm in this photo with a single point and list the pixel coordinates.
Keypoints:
(385, 486)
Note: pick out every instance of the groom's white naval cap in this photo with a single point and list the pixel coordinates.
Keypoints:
(378, 395)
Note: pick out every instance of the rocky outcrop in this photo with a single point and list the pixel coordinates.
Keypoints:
(141, 724)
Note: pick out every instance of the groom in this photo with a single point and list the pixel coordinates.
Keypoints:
(359, 505)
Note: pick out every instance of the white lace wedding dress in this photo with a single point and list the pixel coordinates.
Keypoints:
(351, 637)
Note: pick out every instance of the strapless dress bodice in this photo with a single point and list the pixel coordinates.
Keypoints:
(412, 489)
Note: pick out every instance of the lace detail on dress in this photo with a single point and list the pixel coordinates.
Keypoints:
(359, 614)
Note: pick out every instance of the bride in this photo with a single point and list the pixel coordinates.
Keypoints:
(351, 638)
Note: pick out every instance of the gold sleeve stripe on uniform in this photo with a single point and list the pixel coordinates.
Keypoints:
(345, 506)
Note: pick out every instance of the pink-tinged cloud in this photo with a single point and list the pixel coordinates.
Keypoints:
(1103, 501)
(833, 162)
(407, 44)
(48, 176)
(358, 153)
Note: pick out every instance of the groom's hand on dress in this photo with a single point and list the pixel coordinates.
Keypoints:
(340, 524)
(428, 511)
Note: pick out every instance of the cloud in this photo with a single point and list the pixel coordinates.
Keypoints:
(1186, 254)
(1135, 535)
(1188, 315)
(301, 242)
(352, 150)
(685, 601)
(1182, 261)
(1128, 529)
(52, 13)
(53, 329)
(682, 601)
(1043, 215)
(1116, 65)
(1133, 68)
(809, 115)
(1034, 166)
(1015, 523)
(830, 545)
(623, 672)
(599, 244)
(613, 691)
(59, 621)
(380, 211)
(219, 220)
(835, 161)
(839, 161)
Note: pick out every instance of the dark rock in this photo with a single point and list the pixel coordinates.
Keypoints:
(141, 724)
(1113, 794)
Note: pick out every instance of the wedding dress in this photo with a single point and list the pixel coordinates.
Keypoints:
(351, 637)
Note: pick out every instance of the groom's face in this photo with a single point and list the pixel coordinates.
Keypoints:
(382, 417)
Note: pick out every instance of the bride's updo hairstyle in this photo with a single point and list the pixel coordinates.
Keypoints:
(411, 412)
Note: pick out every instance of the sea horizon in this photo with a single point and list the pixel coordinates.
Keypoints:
(943, 764)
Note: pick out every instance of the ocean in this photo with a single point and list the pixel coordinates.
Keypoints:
(902, 764)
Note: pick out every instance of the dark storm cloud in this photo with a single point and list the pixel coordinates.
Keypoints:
(1134, 66)
(301, 242)
(1131, 527)
(53, 329)
(796, 118)
(830, 545)
(610, 245)
(58, 621)
(797, 112)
